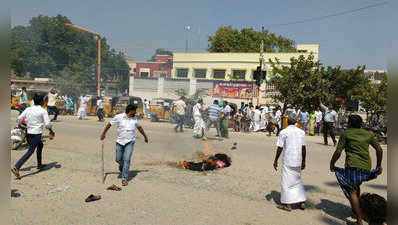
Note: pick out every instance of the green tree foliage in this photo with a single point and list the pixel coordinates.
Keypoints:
(300, 83)
(48, 48)
(228, 39)
(304, 80)
(374, 97)
(160, 51)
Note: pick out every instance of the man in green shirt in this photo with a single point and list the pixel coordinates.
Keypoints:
(355, 141)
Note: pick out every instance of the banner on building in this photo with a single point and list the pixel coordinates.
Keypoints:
(231, 89)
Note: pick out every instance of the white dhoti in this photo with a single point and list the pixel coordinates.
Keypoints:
(292, 185)
(199, 126)
(263, 124)
(256, 126)
(81, 113)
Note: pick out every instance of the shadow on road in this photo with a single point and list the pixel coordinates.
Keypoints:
(47, 167)
(378, 186)
(335, 209)
(332, 184)
(133, 173)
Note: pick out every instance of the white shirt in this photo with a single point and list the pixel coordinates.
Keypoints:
(83, 101)
(52, 99)
(330, 115)
(126, 128)
(227, 110)
(99, 104)
(36, 117)
(318, 116)
(180, 104)
(291, 139)
(196, 109)
(146, 104)
(256, 115)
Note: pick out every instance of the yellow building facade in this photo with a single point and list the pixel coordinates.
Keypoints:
(234, 65)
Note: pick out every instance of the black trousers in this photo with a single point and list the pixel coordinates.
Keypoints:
(100, 114)
(53, 109)
(328, 128)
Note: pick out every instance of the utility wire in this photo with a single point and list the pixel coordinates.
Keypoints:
(328, 16)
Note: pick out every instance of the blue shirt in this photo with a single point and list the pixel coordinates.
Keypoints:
(214, 111)
(304, 117)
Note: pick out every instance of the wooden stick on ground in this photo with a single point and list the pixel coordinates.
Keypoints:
(102, 161)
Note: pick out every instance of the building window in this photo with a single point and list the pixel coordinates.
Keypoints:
(182, 73)
(219, 74)
(239, 74)
(200, 73)
(144, 74)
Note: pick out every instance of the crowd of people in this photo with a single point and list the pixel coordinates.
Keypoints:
(291, 144)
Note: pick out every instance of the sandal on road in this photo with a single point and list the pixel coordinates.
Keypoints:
(285, 207)
(15, 171)
(114, 188)
(92, 197)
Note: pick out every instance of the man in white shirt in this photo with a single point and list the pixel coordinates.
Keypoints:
(126, 123)
(224, 121)
(199, 127)
(180, 108)
(275, 120)
(257, 117)
(100, 109)
(23, 99)
(35, 118)
(147, 109)
(81, 113)
(291, 141)
(51, 104)
(329, 122)
(318, 120)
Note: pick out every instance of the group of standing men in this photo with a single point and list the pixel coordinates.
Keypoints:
(218, 116)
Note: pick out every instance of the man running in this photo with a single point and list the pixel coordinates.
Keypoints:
(355, 141)
(51, 104)
(126, 123)
(35, 117)
(100, 109)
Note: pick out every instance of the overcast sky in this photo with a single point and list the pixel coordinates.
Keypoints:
(138, 27)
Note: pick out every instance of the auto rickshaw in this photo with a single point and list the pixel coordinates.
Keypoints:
(126, 100)
(109, 104)
(161, 109)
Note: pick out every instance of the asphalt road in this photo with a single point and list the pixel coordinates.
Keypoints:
(246, 193)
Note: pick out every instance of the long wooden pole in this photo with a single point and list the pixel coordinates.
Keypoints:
(102, 161)
(99, 67)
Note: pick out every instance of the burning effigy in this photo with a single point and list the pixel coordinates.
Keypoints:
(213, 162)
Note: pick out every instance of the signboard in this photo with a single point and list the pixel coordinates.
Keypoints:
(230, 89)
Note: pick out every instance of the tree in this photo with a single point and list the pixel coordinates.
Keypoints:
(347, 85)
(160, 51)
(48, 48)
(300, 83)
(228, 39)
(374, 97)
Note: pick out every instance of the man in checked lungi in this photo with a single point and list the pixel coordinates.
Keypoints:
(355, 141)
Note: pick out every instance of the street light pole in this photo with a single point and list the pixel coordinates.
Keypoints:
(187, 28)
(98, 54)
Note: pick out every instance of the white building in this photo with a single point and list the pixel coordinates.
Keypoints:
(233, 65)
